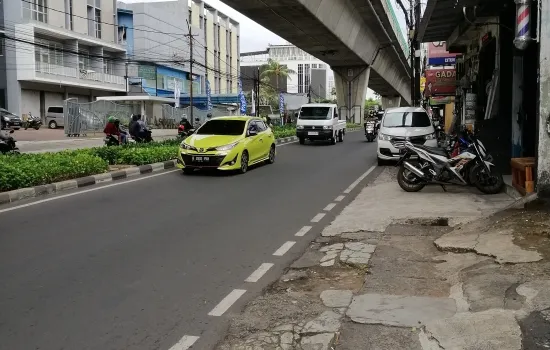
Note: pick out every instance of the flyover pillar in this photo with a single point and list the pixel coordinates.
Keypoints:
(351, 84)
(390, 102)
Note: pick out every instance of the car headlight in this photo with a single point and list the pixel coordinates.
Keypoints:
(429, 136)
(299, 126)
(187, 147)
(327, 127)
(384, 137)
(6, 119)
(227, 147)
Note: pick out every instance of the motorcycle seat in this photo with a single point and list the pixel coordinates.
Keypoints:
(434, 150)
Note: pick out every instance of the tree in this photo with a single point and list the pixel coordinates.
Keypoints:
(274, 69)
(370, 103)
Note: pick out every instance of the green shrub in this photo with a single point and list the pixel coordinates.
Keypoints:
(28, 170)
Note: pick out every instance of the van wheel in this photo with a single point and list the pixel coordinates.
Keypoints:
(333, 139)
(341, 136)
(52, 125)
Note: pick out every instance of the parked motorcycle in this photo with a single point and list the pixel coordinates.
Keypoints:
(33, 122)
(7, 143)
(436, 166)
(370, 130)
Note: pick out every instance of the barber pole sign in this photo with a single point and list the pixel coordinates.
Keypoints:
(523, 24)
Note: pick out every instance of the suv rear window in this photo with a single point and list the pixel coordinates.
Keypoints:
(55, 109)
(407, 119)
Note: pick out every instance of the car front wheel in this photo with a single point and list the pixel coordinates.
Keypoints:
(244, 162)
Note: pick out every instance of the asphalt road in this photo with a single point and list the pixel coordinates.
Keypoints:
(141, 264)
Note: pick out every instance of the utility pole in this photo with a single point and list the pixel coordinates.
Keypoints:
(191, 61)
(417, 58)
(257, 102)
(412, 35)
(309, 94)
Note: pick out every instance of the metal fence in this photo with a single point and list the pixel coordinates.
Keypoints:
(91, 117)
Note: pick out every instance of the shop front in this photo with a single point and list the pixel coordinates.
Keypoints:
(496, 82)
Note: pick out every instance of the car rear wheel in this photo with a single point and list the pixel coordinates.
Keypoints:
(271, 158)
(52, 125)
(244, 162)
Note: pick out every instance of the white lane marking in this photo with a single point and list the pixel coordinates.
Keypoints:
(330, 207)
(339, 198)
(303, 231)
(185, 343)
(284, 248)
(118, 183)
(226, 303)
(318, 217)
(356, 182)
(260, 271)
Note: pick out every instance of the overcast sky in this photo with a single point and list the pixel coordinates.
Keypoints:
(254, 37)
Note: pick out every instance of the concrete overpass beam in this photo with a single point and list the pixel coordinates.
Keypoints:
(351, 84)
(390, 101)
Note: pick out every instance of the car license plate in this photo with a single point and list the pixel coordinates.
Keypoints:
(201, 159)
(313, 133)
(16, 123)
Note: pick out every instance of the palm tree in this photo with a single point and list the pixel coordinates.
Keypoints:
(274, 69)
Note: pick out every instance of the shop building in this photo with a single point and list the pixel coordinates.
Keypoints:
(496, 70)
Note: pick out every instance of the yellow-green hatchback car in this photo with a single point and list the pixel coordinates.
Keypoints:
(228, 143)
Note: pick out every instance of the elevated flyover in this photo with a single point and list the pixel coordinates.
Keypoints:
(359, 39)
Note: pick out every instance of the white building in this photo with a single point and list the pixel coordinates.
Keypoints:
(303, 64)
(59, 49)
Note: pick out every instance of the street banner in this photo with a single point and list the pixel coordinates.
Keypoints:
(439, 56)
(440, 82)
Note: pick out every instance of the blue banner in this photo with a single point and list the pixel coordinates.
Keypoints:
(281, 103)
(441, 61)
(208, 96)
(242, 97)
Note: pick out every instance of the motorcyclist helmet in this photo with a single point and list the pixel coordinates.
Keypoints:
(111, 119)
(209, 115)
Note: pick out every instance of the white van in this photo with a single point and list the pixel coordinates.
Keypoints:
(54, 117)
(320, 121)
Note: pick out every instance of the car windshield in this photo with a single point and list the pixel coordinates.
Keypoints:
(315, 113)
(222, 127)
(5, 112)
(407, 119)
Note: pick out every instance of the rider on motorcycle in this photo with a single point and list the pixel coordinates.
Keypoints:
(112, 129)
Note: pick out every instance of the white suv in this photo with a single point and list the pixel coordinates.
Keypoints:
(403, 124)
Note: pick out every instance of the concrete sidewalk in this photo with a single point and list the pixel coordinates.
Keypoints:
(77, 143)
(420, 271)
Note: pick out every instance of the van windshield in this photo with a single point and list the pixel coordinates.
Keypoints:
(407, 119)
(315, 113)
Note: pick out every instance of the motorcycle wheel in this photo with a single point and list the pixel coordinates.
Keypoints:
(37, 127)
(408, 181)
(487, 183)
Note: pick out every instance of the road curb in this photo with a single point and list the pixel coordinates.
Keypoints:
(41, 190)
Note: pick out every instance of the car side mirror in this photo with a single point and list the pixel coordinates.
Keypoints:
(252, 133)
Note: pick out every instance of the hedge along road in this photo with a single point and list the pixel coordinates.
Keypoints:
(141, 265)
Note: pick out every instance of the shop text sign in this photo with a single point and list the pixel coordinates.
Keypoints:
(440, 82)
(438, 55)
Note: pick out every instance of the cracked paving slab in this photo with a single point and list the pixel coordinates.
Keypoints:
(368, 211)
(355, 253)
(399, 310)
(488, 330)
(537, 296)
(497, 244)
(336, 298)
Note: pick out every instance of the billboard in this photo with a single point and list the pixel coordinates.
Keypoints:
(440, 82)
(438, 55)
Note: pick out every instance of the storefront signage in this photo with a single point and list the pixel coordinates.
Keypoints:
(441, 100)
(438, 55)
(440, 82)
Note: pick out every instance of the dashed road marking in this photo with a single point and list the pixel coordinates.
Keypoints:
(260, 271)
(330, 207)
(318, 217)
(356, 182)
(339, 198)
(284, 248)
(185, 343)
(226, 303)
(303, 231)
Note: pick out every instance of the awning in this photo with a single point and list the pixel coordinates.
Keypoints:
(440, 18)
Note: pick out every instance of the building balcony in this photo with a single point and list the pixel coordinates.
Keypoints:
(72, 76)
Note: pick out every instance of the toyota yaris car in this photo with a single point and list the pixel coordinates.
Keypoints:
(227, 143)
(403, 124)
